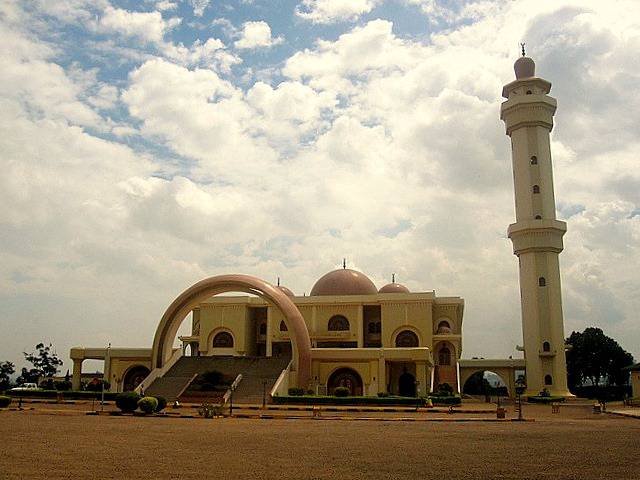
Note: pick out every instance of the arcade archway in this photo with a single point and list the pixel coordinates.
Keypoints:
(194, 295)
(347, 378)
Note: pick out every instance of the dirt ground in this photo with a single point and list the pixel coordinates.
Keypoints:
(61, 442)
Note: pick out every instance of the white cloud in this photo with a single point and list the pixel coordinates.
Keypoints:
(332, 11)
(256, 35)
(376, 146)
(166, 5)
(146, 26)
(199, 6)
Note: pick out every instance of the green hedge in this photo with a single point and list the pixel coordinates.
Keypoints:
(446, 401)
(380, 401)
(539, 399)
(4, 401)
(71, 395)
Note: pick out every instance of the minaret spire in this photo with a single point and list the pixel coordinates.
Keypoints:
(344, 263)
(393, 278)
(536, 234)
(523, 54)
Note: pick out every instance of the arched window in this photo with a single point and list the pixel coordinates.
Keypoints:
(263, 329)
(443, 328)
(538, 217)
(444, 356)
(548, 380)
(407, 339)
(338, 323)
(534, 160)
(536, 189)
(223, 340)
(283, 326)
(542, 282)
(546, 347)
(529, 92)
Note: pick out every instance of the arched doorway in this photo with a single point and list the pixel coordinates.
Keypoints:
(406, 384)
(194, 295)
(486, 382)
(134, 377)
(345, 377)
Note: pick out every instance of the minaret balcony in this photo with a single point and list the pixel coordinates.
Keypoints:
(537, 235)
(547, 354)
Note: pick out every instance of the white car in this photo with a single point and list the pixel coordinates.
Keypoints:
(25, 387)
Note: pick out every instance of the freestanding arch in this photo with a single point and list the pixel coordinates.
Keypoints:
(194, 295)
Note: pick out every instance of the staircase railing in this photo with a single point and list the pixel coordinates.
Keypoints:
(281, 387)
(159, 372)
(231, 389)
(186, 385)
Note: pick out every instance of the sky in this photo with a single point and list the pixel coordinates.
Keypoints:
(146, 145)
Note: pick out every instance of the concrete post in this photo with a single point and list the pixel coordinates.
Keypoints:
(76, 379)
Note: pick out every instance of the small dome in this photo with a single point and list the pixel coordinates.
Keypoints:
(286, 291)
(394, 288)
(344, 282)
(524, 67)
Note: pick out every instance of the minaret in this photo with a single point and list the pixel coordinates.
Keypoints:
(536, 235)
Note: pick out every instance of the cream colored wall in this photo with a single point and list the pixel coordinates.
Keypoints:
(414, 316)
(119, 367)
(232, 318)
(635, 384)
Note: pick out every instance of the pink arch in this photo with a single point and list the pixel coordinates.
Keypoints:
(194, 295)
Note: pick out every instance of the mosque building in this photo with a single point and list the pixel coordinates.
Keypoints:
(347, 332)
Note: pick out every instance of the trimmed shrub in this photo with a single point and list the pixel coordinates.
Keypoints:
(63, 385)
(5, 401)
(162, 403)
(148, 404)
(441, 400)
(544, 399)
(127, 402)
(310, 392)
(383, 394)
(329, 400)
(213, 377)
(95, 385)
(208, 410)
(341, 392)
(296, 392)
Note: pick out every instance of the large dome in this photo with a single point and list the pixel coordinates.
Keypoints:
(344, 282)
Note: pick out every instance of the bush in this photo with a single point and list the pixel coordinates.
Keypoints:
(127, 401)
(162, 403)
(208, 410)
(95, 385)
(5, 401)
(310, 392)
(148, 404)
(47, 384)
(331, 400)
(213, 377)
(63, 385)
(544, 393)
(341, 392)
(296, 392)
(383, 394)
(439, 400)
(544, 399)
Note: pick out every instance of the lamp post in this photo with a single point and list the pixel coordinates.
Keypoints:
(103, 376)
(264, 394)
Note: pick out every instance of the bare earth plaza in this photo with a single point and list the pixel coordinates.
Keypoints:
(352, 378)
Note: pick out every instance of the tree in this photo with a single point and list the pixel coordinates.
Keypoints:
(6, 370)
(45, 362)
(596, 358)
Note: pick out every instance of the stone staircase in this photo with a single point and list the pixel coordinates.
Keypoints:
(256, 371)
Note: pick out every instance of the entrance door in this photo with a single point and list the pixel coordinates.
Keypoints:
(407, 384)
